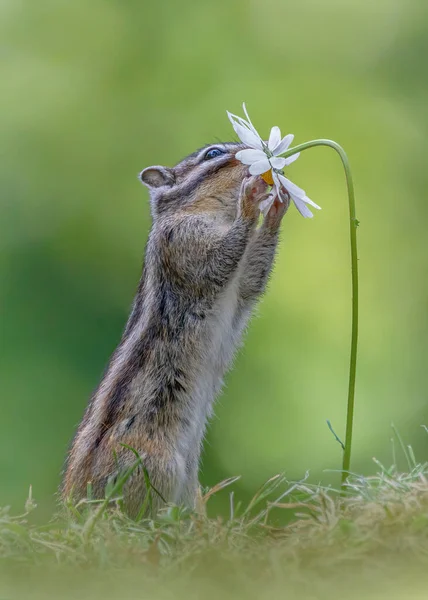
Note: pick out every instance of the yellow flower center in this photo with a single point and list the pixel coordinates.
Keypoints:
(267, 177)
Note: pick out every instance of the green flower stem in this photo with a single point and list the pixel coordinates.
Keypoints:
(353, 224)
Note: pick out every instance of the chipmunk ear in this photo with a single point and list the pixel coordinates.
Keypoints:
(155, 177)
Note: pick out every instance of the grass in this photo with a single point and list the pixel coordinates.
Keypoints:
(372, 542)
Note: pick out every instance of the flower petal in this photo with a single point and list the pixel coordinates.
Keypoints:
(311, 202)
(259, 167)
(245, 131)
(277, 187)
(292, 158)
(232, 118)
(265, 205)
(301, 207)
(278, 163)
(250, 124)
(250, 156)
(248, 137)
(274, 138)
(237, 121)
(276, 180)
(242, 122)
(292, 187)
(283, 145)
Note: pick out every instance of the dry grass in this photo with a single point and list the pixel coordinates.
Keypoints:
(372, 542)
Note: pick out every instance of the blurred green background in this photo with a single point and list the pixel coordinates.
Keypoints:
(91, 93)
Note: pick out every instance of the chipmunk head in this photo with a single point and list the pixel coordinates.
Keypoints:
(206, 181)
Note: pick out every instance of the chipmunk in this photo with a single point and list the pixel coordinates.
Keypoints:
(206, 264)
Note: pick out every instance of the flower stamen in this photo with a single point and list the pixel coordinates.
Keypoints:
(267, 176)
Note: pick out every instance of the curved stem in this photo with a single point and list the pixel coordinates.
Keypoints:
(353, 223)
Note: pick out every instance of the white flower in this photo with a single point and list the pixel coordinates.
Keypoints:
(264, 159)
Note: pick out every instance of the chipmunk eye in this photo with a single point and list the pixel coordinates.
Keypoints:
(213, 153)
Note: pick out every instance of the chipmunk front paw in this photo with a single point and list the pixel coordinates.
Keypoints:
(277, 211)
(253, 191)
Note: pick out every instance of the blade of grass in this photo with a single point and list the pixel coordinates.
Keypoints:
(402, 446)
(116, 489)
